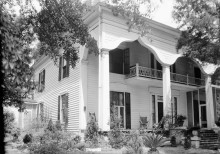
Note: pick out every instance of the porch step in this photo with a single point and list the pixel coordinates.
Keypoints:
(209, 139)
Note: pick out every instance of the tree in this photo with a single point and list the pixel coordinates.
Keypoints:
(16, 36)
(199, 21)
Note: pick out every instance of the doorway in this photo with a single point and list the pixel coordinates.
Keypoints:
(203, 119)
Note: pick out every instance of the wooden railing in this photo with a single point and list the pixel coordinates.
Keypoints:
(140, 71)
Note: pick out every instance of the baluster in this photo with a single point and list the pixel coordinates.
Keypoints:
(187, 79)
(137, 69)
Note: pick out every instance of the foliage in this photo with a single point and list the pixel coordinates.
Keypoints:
(187, 142)
(50, 126)
(134, 143)
(153, 141)
(16, 132)
(58, 126)
(91, 134)
(179, 120)
(16, 36)
(27, 138)
(52, 136)
(130, 10)
(59, 26)
(218, 122)
(116, 136)
(200, 37)
(48, 149)
(8, 121)
(173, 141)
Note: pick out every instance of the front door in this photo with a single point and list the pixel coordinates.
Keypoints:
(160, 110)
(203, 119)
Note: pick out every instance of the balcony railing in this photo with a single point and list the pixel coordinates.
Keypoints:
(140, 71)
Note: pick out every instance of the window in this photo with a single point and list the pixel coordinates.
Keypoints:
(120, 107)
(41, 81)
(119, 61)
(63, 67)
(40, 113)
(63, 109)
(174, 109)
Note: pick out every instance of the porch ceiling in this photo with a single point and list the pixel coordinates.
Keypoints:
(147, 82)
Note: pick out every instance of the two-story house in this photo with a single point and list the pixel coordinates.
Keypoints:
(138, 76)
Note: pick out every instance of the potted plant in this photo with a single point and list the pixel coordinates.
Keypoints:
(180, 120)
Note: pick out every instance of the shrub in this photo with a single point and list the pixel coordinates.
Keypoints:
(8, 122)
(153, 141)
(58, 126)
(187, 142)
(15, 132)
(173, 141)
(51, 126)
(27, 138)
(134, 143)
(91, 134)
(48, 149)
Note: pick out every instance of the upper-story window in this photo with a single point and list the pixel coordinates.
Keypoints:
(154, 63)
(63, 67)
(41, 81)
(119, 61)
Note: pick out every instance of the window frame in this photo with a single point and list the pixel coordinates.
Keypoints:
(41, 82)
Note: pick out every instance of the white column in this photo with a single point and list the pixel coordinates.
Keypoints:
(166, 90)
(83, 95)
(104, 103)
(209, 103)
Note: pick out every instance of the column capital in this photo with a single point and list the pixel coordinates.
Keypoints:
(105, 51)
(166, 66)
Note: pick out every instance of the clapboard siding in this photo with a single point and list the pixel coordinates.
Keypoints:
(92, 103)
(54, 88)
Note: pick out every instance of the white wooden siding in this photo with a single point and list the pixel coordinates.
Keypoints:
(54, 88)
(92, 104)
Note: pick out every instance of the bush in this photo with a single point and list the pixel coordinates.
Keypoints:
(187, 142)
(91, 134)
(173, 141)
(48, 149)
(51, 126)
(15, 132)
(27, 138)
(134, 143)
(58, 126)
(153, 141)
(8, 121)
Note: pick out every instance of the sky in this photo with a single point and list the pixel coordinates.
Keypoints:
(163, 13)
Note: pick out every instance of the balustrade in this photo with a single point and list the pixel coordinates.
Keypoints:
(140, 71)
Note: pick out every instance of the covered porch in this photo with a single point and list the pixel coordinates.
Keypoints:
(140, 80)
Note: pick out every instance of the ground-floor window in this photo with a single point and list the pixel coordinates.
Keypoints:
(63, 109)
(157, 108)
(120, 108)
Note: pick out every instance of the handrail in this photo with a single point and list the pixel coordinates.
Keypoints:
(140, 71)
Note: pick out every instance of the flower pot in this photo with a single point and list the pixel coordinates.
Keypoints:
(153, 152)
(195, 132)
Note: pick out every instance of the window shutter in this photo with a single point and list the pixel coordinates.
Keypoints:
(67, 105)
(60, 68)
(128, 110)
(39, 83)
(58, 117)
(43, 83)
(126, 61)
(67, 64)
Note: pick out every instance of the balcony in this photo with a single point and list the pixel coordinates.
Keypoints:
(140, 71)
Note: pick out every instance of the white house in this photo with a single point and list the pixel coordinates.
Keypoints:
(140, 76)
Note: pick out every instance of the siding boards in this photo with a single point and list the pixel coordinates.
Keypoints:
(92, 97)
(54, 88)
